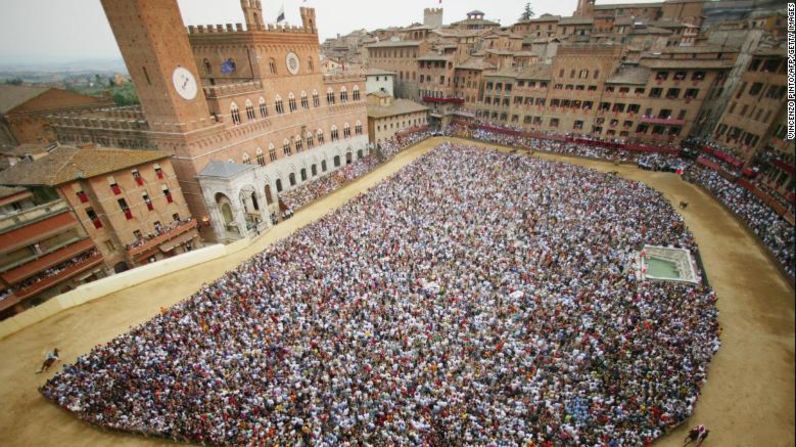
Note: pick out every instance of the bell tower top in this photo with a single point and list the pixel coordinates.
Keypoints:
(585, 8)
(154, 44)
(253, 13)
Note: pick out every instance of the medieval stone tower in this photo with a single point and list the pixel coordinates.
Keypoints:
(154, 44)
(253, 14)
(585, 8)
(432, 17)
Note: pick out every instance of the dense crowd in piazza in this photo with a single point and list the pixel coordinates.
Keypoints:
(311, 191)
(405, 318)
(774, 231)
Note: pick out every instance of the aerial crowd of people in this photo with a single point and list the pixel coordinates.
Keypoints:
(772, 229)
(474, 298)
(311, 191)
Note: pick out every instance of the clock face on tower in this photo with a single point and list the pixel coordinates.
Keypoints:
(292, 62)
(185, 83)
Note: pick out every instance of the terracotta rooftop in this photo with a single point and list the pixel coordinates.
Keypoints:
(630, 75)
(378, 72)
(67, 163)
(475, 63)
(394, 43)
(398, 107)
(629, 5)
(435, 57)
(12, 96)
(576, 21)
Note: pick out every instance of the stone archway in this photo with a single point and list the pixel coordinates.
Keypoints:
(292, 179)
(225, 207)
(279, 187)
(349, 158)
(359, 154)
(269, 198)
(336, 161)
(314, 170)
(323, 166)
(303, 174)
(121, 267)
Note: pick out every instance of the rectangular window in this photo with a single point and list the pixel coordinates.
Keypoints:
(94, 218)
(82, 196)
(125, 209)
(114, 186)
(755, 89)
(148, 202)
(159, 171)
(168, 195)
(137, 176)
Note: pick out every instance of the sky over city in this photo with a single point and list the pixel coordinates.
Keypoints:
(63, 30)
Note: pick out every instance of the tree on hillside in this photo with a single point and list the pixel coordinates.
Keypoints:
(15, 81)
(527, 14)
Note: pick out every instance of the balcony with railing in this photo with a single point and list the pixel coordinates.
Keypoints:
(26, 216)
(59, 274)
(444, 100)
(48, 226)
(165, 235)
(663, 121)
(32, 267)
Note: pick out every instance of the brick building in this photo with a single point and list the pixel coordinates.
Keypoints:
(127, 202)
(44, 249)
(24, 110)
(251, 94)
(387, 116)
(399, 57)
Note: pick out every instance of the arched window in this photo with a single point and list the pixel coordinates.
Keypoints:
(346, 130)
(319, 135)
(235, 112)
(246, 159)
(316, 100)
(335, 134)
(291, 101)
(310, 140)
(310, 64)
(355, 92)
(298, 142)
(250, 111)
(329, 96)
(208, 67)
(260, 157)
(272, 65)
(584, 74)
(305, 104)
(279, 105)
(358, 128)
(272, 151)
(343, 94)
(263, 108)
(286, 147)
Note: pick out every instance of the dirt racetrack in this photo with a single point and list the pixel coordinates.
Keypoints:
(747, 401)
